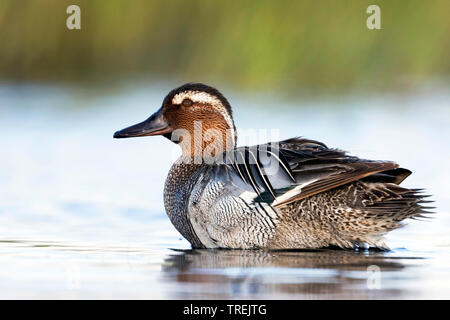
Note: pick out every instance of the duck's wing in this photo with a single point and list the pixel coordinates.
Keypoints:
(297, 168)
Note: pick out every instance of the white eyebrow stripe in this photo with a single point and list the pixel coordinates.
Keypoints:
(196, 96)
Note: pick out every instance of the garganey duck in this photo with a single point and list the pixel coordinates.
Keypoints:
(292, 194)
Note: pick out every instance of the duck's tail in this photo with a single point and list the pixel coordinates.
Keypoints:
(381, 206)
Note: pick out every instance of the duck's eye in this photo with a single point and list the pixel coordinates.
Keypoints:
(187, 102)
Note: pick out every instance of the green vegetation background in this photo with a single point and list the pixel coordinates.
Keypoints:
(292, 45)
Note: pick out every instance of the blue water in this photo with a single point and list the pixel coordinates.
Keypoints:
(82, 216)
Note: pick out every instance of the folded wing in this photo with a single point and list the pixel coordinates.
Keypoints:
(294, 169)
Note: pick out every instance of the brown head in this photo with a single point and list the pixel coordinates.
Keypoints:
(196, 116)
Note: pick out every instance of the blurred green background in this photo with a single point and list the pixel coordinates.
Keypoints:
(73, 200)
(279, 45)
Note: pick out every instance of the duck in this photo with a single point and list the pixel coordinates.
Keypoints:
(290, 194)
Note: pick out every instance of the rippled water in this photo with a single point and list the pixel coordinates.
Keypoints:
(81, 214)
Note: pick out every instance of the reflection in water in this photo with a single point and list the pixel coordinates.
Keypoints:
(286, 274)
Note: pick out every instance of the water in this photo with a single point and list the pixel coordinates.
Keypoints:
(81, 214)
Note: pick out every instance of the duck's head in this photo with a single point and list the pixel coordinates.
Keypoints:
(196, 116)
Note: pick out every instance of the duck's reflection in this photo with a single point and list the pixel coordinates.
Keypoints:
(282, 274)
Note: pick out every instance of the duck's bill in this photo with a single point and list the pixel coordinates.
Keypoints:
(153, 126)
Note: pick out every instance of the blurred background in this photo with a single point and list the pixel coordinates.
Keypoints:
(289, 46)
(82, 215)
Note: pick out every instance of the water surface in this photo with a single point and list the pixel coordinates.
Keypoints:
(82, 216)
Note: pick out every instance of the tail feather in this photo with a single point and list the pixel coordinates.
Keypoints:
(383, 207)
